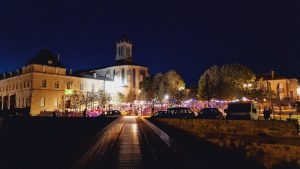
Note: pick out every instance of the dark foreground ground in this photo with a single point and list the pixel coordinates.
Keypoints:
(59, 143)
(44, 143)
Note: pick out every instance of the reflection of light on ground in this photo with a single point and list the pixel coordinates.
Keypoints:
(134, 127)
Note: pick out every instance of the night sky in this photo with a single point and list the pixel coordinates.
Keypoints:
(188, 36)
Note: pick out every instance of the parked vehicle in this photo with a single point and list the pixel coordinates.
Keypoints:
(160, 113)
(242, 111)
(211, 113)
(111, 113)
(179, 112)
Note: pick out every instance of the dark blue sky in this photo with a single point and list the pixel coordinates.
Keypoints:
(188, 36)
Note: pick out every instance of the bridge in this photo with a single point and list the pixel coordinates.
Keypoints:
(133, 142)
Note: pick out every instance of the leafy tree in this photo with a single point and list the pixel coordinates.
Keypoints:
(209, 84)
(74, 101)
(103, 98)
(131, 96)
(230, 81)
(156, 87)
(120, 97)
(146, 87)
(174, 86)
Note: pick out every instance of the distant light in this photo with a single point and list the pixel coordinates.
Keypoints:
(298, 91)
(69, 91)
(166, 97)
(244, 99)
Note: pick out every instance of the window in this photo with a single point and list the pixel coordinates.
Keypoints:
(42, 101)
(81, 86)
(24, 102)
(17, 86)
(55, 103)
(134, 78)
(56, 84)
(123, 76)
(44, 83)
(56, 71)
(28, 84)
(28, 102)
(69, 85)
(24, 85)
(44, 68)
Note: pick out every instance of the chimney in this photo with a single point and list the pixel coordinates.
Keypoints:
(58, 56)
(70, 71)
(273, 74)
(3, 75)
(94, 75)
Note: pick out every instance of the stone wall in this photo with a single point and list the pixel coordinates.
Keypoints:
(269, 142)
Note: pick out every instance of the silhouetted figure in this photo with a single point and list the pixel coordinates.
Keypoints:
(267, 113)
(54, 113)
(84, 113)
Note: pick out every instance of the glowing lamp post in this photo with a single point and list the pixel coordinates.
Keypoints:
(298, 91)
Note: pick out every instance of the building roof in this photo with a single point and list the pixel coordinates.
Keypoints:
(46, 57)
(268, 76)
(90, 75)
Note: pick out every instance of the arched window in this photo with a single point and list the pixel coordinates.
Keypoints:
(133, 78)
(123, 76)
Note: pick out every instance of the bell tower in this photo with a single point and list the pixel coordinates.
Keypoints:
(124, 51)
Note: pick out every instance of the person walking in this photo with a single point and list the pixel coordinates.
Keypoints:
(267, 113)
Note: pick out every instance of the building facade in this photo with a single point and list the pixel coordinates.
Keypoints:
(43, 83)
(284, 88)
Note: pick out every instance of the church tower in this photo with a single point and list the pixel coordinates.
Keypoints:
(124, 51)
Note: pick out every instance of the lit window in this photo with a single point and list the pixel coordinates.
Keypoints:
(24, 102)
(42, 101)
(44, 68)
(56, 84)
(28, 102)
(69, 85)
(44, 83)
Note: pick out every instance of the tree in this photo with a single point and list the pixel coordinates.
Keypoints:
(74, 101)
(233, 78)
(120, 97)
(103, 98)
(174, 86)
(146, 87)
(231, 81)
(156, 87)
(131, 96)
(209, 82)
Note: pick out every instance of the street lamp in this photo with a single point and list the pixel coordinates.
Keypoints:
(298, 91)
(166, 97)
